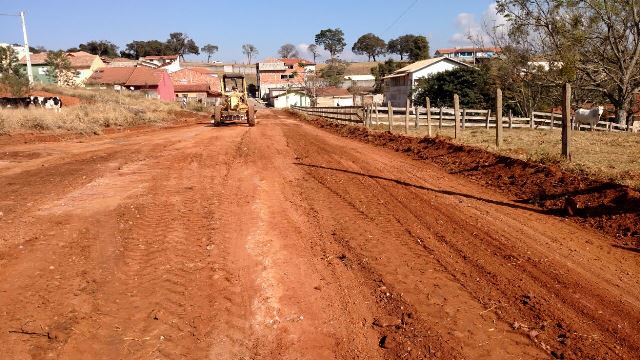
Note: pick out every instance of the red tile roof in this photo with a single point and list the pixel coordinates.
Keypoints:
(161, 57)
(36, 59)
(200, 88)
(296, 61)
(332, 91)
(78, 60)
(202, 70)
(468, 49)
(111, 76)
(144, 76)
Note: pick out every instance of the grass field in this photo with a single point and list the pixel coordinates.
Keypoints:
(93, 110)
(607, 156)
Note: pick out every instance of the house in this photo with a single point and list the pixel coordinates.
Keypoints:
(282, 74)
(82, 63)
(365, 83)
(200, 91)
(400, 84)
(110, 77)
(41, 71)
(333, 96)
(282, 99)
(154, 83)
(197, 75)
(469, 54)
(171, 63)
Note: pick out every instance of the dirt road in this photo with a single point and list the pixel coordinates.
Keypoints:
(285, 241)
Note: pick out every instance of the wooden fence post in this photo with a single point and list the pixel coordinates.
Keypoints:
(456, 115)
(440, 120)
(390, 113)
(377, 118)
(417, 110)
(532, 122)
(464, 119)
(566, 122)
(498, 118)
(488, 117)
(406, 116)
(428, 104)
(510, 119)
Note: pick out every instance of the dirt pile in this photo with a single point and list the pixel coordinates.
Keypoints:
(605, 206)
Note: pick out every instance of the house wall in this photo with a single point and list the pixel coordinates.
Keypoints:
(83, 74)
(292, 99)
(396, 90)
(40, 74)
(188, 76)
(273, 79)
(165, 88)
(329, 101)
(192, 95)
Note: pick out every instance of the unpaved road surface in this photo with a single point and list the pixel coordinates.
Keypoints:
(286, 242)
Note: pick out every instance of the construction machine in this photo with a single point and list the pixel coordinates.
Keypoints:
(235, 102)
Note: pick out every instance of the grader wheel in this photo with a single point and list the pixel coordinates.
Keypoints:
(251, 115)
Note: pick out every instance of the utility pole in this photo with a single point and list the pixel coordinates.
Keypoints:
(26, 48)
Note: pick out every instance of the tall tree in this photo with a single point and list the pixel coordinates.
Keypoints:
(100, 48)
(209, 49)
(597, 43)
(414, 47)
(288, 51)
(471, 84)
(333, 73)
(313, 49)
(249, 50)
(137, 49)
(370, 45)
(332, 40)
(181, 44)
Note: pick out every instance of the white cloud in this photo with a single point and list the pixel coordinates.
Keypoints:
(468, 26)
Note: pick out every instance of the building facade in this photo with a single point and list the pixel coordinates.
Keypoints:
(469, 54)
(282, 74)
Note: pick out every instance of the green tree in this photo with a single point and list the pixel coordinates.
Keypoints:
(288, 51)
(332, 40)
(597, 43)
(333, 73)
(12, 77)
(473, 86)
(137, 49)
(181, 44)
(60, 68)
(249, 50)
(100, 48)
(370, 45)
(209, 49)
(414, 47)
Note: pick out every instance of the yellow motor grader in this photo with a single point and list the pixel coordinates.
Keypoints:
(235, 102)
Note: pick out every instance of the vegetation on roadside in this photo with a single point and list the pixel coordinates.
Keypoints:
(12, 79)
(98, 109)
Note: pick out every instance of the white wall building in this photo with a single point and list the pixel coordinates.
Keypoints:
(399, 85)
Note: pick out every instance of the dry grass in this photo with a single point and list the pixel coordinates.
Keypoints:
(607, 156)
(98, 109)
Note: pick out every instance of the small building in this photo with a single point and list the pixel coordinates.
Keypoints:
(333, 96)
(119, 62)
(154, 83)
(82, 63)
(469, 54)
(364, 82)
(19, 50)
(110, 77)
(283, 99)
(400, 84)
(197, 75)
(171, 63)
(200, 91)
(282, 74)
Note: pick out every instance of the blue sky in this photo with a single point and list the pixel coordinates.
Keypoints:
(62, 24)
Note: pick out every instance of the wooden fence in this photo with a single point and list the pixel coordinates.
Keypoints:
(445, 117)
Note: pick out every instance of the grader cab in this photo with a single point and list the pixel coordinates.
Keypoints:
(235, 102)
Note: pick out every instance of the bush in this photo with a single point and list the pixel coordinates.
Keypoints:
(472, 85)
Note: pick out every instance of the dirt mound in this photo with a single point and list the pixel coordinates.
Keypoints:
(609, 207)
(66, 100)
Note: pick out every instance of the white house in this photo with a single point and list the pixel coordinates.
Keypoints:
(286, 99)
(399, 85)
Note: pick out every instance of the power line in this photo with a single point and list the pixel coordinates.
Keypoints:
(401, 16)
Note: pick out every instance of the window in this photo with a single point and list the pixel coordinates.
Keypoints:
(290, 67)
(43, 71)
(284, 77)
